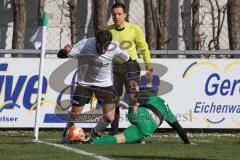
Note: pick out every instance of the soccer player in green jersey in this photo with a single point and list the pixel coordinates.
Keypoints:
(146, 113)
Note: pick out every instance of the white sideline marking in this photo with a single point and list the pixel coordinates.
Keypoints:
(82, 152)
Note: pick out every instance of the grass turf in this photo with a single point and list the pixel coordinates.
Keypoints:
(167, 146)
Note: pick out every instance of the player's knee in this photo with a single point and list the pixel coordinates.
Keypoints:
(146, 132)
(133, 134)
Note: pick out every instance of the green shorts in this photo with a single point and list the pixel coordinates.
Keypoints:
(143, 125)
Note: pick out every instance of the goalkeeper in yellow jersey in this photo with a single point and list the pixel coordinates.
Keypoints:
(131, 38)
(146, 113)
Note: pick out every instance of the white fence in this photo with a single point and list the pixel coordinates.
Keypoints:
(202, 93)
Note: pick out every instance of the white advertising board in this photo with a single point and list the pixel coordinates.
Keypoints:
(201, 93)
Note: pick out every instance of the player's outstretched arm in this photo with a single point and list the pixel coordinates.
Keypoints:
(63, 53)
(178, 128)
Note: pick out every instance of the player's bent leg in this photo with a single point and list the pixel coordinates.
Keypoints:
(101, 125)
(109, 112)
(130, 135)
(145, 125)
(75, 112)
(73, 116)
(133, 134)
(108, 117)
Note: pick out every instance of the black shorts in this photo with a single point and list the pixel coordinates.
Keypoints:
(82, 95)
(122, 74)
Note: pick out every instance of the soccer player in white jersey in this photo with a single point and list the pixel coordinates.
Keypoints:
(96, 77)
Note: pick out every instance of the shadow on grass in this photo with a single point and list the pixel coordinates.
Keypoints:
(15, 140)
(15, 143)
(159, 157)
(18, 136)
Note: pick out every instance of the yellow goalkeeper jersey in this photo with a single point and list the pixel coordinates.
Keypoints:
(131, 39)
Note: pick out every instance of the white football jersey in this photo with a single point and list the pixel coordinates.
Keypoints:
(96, 69)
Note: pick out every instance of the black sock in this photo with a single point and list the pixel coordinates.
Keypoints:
(115, 123)
(177, 127)
(70, 124)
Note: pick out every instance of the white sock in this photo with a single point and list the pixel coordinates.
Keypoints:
(100, 126)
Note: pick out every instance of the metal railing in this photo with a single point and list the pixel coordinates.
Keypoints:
(153, 52)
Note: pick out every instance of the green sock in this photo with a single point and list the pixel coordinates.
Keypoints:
(108, 139)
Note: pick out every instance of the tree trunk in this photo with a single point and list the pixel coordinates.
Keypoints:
(233, 10)
(163, 25)
(73, 14)
(186, 24)
(195, 24)
(41, 4)
(100, 15)
(195, 27)
(19, 24)
(149, 24)
(163, 40)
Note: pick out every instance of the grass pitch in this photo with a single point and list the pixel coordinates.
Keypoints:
(19, 145)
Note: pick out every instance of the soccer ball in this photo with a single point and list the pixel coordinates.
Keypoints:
(75, 133)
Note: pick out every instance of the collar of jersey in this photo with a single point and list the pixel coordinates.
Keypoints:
(121, 29)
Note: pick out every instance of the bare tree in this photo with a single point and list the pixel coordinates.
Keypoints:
(19, 25)
(185, 28)
(233, 10)
(217, 24)
(72, 4)
(202, 35)
(163, 40)
(149, 24)
(163, 26)
(195, 25)
(69, 10)
(191, 25)
(196, 40)
(100, 15)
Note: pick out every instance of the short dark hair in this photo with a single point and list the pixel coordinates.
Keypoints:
(104, 38)
(119, 5)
